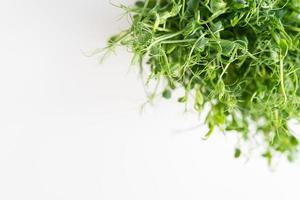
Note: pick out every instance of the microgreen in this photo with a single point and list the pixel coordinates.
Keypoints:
(241, 57)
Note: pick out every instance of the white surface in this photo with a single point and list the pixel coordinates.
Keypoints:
(70, 128)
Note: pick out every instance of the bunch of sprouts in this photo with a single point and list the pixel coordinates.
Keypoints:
(242, 57)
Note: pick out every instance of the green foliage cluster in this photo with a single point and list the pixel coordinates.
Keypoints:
(242, 57)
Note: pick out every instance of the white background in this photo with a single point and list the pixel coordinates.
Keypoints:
(70, 128)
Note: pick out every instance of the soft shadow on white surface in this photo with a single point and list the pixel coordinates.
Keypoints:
(71, 128)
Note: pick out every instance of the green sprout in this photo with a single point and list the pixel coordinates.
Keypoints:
(240, 57)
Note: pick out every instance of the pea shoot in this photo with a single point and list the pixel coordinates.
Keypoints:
(240, 57)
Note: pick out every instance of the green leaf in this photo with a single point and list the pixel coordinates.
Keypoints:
(202, 44)
(227, 47)
(167, 14)
(211, 128)
(199, 100)
(139, 4)
(167, 94)
(239, 4)
(237, 153)
(218, 26)
(217, 5)
(283, 47)
(192, 5)
(182, 99)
